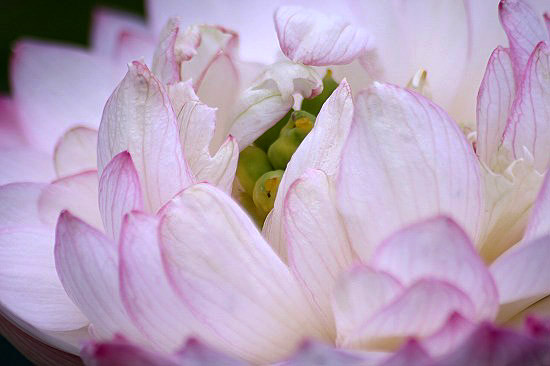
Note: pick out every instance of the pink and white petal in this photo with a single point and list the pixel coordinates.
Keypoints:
(522, 276)
(77, 193)
(524, 29)
(119, 193)
(166, 61)
(490, 346)
(146, 293)
(312, 38)
(315, 353)
(58, 86)
(87, 265)
(529, 123)
(29, 286)
(438, 248)
(196, 124)
(270, 97)
(138, 118)
(401, 319)
(358, 295)
(229, 278)
(425, 167)
(449, 336)
(25, 164)
(496, 94)
(318, 249)
(539, 224)
(76, 152)
(11, 134)
(109, 26)
(321, 149)
(410, 354)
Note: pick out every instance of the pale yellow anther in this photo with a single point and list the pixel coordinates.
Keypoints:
(419, 83)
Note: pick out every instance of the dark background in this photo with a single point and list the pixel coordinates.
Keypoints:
(61, 20)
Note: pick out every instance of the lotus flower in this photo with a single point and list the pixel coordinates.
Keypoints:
(398, 232)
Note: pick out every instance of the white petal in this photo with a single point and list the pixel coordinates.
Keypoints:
(321, 149)
(76, 152)
(539, 221)
(405, 150)
(229, 278)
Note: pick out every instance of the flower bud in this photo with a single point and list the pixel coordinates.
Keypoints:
(298, 126)
(253, 163)
(314, 105)
(265, 191)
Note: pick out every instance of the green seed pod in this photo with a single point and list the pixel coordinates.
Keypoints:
(269, 136)
(265, 191)
(314, 105)
(292, 135)
(253, 163)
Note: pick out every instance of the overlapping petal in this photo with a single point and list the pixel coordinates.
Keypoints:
(76, 152)
(539, 224)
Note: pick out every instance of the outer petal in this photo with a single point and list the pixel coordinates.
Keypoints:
(360, 294)
(522, 276)
(76, 152)
(119, 193)
(449, 336)
(321, 149)
(197, 124)
(496, 94)
(25, 164)
(56, 87)
(312, 38)
(11, 134)
(146, 294)
(539, 223)
(77, 193)
(410, 354)
(490, 346)
(405, 150)
(265, 102)
(87, 261)
(317, 244)
(529, 124)
(438, 248)
(401, 318)
(229, 279)
(524, 29)
(139, 118)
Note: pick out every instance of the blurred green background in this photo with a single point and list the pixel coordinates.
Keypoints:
(61, 20)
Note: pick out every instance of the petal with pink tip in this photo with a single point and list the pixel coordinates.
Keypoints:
(76, 152)
(321, 149)
(312, 38)
(539, 223)
(360, 294)
(438, 248)
(197, 124)
(522, 276)
(77, 193)
(524, 29)
(229, 278)
(56, 87)
(410, 354)
(25, 164)
(146, 294)
(404, 149)
(529, 123)
(496, 94)
(318, 249)
(139, 118)
(87, 265)
(402, 318)
(119, 193)
(270, 97)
